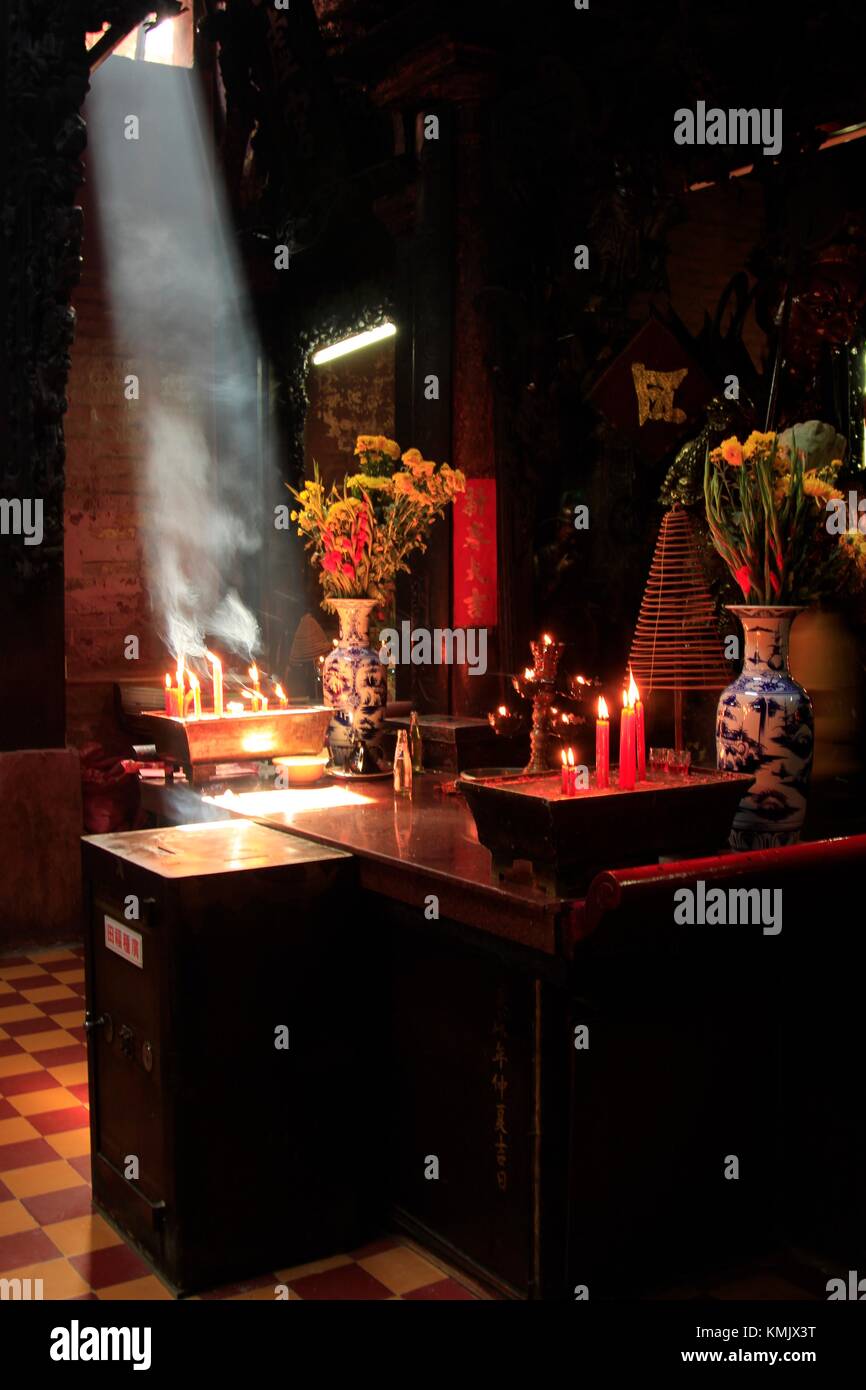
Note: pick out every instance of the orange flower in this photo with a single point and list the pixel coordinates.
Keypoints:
(731, 451)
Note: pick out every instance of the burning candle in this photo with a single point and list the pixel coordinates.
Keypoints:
(639, 726)
(168, 693)
(547, 639)
(602, 745)
(195, 687)
(177, 691)
(626, 745)
(281, 696)
(217, 676)
(572, 775)
(256, 692)
(564, 786)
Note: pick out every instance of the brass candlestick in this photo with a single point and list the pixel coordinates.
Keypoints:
(540, 686)
(557, 704)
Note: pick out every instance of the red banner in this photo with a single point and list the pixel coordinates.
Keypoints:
(475, 588)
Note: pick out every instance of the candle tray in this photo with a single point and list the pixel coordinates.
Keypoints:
(197, 745)
(568, 839)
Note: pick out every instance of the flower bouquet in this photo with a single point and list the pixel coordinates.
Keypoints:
(360, 536)
(772, 509)
(767, 510)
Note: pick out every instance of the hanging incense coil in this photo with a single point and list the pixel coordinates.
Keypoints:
(676, 645)
(309, 642)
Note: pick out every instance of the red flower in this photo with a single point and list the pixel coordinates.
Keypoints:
(744, 579)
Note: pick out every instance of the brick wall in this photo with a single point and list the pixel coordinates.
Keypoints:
(106, 595)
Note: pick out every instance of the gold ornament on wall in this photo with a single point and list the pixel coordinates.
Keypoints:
(655, 393)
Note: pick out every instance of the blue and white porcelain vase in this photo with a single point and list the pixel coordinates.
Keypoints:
(764, 726)
(354, 681)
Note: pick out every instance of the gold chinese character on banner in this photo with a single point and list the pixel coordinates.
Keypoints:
(655, 394)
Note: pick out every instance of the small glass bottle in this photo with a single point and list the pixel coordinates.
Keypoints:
(416, 748)
(402, 765)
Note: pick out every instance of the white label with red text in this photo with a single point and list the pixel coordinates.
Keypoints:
(124, 942)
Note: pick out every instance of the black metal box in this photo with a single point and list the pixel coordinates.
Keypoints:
(218, 1149)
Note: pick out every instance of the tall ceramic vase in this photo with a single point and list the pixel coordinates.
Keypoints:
(764, 726)
(353, 680)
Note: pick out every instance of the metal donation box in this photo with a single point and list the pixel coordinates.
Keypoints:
(227, 1061)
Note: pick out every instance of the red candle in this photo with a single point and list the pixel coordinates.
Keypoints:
(602, 745)
(168, 696)
(564, 786)
(626, 745)
(639, 727)
(572, 775)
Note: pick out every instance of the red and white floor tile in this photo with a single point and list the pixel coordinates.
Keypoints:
(48, 1228)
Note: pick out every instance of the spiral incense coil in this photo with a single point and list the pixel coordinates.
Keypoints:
(676, 645)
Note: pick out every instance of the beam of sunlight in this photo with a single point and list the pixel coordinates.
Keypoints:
(183, 317)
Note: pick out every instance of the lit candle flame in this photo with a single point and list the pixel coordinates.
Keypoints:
(562, 755)
(213, 658)
(602, 708)
(503, 709)
(167, 681)
(547, 640)
(570, 758)
(528, 675)
(633, 692)
(281, 695)
(254, 675)
(625, 703)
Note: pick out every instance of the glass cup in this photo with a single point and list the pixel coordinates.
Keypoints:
(681, 762)
(658, 759)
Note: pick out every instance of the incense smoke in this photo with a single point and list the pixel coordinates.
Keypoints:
(182, 315)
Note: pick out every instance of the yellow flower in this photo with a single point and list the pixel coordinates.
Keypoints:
(293, 516)
(303, 496)
(377, 444)
(732, 452)
(370, 484)
(758, 443)
(816, 487)
(411, 457)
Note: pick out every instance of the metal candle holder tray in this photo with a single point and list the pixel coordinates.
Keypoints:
(568, 839)
(197, 745)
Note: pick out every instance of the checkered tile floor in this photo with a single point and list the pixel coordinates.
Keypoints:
(48, 1229)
